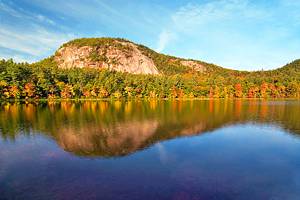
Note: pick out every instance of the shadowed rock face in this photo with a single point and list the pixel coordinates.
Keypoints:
(118, 56)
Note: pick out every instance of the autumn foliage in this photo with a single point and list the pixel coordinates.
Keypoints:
(44, 80)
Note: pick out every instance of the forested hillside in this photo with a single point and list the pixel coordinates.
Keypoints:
(177, 78)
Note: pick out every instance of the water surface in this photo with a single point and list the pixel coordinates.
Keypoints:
(210, 149)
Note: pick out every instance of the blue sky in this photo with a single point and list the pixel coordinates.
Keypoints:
(239, 34)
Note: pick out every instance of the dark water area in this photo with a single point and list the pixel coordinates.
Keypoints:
(201, 149)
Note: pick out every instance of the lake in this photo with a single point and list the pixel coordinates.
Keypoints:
(200, 149)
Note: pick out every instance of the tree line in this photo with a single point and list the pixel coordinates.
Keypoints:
(44, 80)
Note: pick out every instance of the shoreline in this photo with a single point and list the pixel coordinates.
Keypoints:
(137, 99)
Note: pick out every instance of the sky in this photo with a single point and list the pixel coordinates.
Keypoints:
(237, 34)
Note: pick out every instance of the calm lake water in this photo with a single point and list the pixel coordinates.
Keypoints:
(210, 149)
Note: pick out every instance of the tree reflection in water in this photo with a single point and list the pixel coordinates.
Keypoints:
(117, 128)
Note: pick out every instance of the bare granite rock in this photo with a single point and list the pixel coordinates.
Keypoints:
(122, 57)
(194, 65)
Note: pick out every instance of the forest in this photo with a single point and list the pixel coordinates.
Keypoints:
(44, 80)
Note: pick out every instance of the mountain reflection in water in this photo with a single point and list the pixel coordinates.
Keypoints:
(115, 128)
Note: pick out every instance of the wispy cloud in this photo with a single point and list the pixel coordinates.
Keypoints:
(243, 34)
(44, 19)
(21, 14)
(34, 44)
(193, 15)
(164, 38)
(37, 28)
(195, 18)
(33, 40)
(16, 55)
(232, 33)
(102, 14)
(290, 3)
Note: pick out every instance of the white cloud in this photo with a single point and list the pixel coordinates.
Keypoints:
(36, 42)
(164, 38)
(38, 34)
(43, 18)
(9, 10)
(33, 40)
(290, 3)
(17, 57)
(193, 16)
(233, 33)
(24, 15)
(99, 12)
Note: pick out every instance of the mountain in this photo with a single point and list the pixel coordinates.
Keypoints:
(123, 56)
(92, 68)
(108, 53)
(291, 68)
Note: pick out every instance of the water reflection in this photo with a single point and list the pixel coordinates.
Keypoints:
(110, 129)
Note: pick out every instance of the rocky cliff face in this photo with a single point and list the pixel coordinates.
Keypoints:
(123, 56)
(194, 65)
(114, 55)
